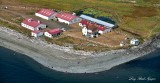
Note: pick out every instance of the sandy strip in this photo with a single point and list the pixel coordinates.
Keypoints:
(66, 59)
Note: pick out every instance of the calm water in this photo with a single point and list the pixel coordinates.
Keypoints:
(17, 68)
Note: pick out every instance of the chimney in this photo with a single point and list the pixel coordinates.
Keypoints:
(29, 20)
(73, 13)
(39, 21)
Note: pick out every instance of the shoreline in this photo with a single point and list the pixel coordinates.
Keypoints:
(65, 59)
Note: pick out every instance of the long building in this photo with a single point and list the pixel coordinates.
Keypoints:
(100, 22)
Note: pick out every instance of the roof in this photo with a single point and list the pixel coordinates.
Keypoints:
(85, 22)
(97, 21)
(92, 27)
(31, 22)
(66, 16)
(36, 31)
(54, 31)
(101, 28)
(46, 12)
(134, 40)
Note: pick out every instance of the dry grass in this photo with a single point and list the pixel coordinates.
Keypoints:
(77, 44)
(144, 12)
(11, 17)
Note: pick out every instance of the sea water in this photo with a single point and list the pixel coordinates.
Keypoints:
(18, 68)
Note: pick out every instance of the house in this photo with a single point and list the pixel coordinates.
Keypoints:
(134, 41)
(47, 14)
(100, 22)
(53, 32)
(32, 24)
(90, 31)
(36, 33)
(67, 18)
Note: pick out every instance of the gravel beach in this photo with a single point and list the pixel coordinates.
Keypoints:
(66, 59)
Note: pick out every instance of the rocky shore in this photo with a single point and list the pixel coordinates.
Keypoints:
(66, 59)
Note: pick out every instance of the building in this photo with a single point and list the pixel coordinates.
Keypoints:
(36, 33)
(47, 14)
(100, 22)
(134, 42)
(90, 31)
(32, 24)
(67, 18)
(84, 23)
(52, 33)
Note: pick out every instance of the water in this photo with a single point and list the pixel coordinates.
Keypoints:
(18, 68)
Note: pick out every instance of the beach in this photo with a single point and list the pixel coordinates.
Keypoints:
(65, 59)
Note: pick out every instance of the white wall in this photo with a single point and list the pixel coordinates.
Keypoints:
(32, 28)
(42, 16)
(47, 34)
(45, 17)
(70, 22)
(63, 21)
(36, 35)
(100, 32)
(27, 26)
(84, 31)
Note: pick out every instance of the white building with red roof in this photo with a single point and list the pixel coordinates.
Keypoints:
(32, 24)
(36, 33)
(47, 14)
(52, 33)
(67, 18)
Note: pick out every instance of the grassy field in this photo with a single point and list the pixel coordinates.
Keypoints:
(141, 17)
(137, 18)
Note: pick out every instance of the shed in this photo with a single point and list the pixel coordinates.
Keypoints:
(134, 42)
(47, 14)
(53, 32)
(36, 33)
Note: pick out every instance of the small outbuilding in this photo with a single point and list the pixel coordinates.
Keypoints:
(134, 42)
(53, 32)
(36, 33)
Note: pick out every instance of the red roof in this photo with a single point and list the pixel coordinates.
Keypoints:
(101, 28)
(31, 22)
(46, 12)
(54, 31)
(66, 16)
(85, 22)
(36, 31)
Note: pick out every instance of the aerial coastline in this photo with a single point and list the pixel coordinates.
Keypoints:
(68, 60)
(88, 38)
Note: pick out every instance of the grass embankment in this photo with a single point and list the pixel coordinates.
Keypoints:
(18, 29)
(15, 19)
(77, 44)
